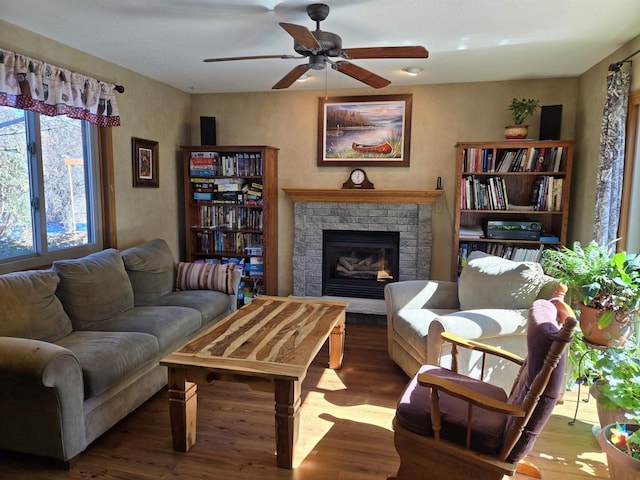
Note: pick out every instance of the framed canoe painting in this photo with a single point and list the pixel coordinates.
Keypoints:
(364, 131)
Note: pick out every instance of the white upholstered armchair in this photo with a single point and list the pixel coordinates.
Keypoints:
(489, 303)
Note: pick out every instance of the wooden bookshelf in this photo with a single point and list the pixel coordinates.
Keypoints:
(511, 181)
(231, 211)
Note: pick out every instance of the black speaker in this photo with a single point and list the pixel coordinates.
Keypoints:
(207, 130)
(550, 121)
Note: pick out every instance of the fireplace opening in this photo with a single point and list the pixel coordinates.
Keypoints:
(359, 263)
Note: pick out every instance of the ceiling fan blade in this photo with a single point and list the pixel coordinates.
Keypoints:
(359, 73)
(291, 77)
(250, 57)
(385, 52)
(302, 36)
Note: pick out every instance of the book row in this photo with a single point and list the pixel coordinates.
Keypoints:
(221, 242)
(223, 216)
(494, 160)
(517, 254)
(489, 194)
(216, 163)
(224, 198)
(546, 194)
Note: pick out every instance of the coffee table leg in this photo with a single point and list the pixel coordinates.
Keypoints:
(183, 406)
(287, 396)
(336, 344)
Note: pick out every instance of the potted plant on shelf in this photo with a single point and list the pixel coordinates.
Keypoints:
(520, 110)
(604, 287)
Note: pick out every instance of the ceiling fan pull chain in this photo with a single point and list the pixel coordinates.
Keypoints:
(326, 80)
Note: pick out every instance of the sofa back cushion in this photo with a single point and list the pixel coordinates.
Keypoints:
(93, 288)
(151, 269)
(487, 281)
(30, 308)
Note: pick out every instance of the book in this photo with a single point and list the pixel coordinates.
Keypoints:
(228, 187)
(202, 195)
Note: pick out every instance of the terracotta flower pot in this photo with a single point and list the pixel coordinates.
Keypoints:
(516, 132)
(621, 465)
(615, 335)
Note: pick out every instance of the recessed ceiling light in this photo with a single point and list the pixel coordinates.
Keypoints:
(412, 70)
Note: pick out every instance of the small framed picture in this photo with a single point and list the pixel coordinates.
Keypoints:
(145, 162)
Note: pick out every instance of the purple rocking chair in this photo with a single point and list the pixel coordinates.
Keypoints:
(450, 426)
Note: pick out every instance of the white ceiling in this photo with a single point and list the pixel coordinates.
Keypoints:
(468, 40)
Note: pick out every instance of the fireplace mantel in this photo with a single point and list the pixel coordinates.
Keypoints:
(362, 196)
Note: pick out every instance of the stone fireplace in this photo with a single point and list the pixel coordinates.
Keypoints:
(407, 212)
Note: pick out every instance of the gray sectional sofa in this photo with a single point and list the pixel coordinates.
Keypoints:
(80, 343)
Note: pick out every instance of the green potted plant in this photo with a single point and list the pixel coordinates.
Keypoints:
(616, 386)
(621, 443)
(520, 110)
(603, 285)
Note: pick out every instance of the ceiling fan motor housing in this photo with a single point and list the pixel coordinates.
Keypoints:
(330, 44)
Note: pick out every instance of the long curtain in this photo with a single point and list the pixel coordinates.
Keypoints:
(611, 160)
(38, 86)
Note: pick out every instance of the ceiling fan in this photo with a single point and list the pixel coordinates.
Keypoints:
(321, 47)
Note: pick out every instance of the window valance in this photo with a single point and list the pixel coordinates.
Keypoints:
(31, 84)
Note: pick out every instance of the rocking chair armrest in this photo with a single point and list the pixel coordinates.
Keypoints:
(468, 395)
(473, 345)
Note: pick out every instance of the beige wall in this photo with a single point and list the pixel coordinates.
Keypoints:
(149, 110)
(592, 94)
(442, 116)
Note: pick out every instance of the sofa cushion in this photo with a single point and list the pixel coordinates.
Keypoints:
(30, 308)
(93, 288)
(107, 357)
(206, 276)
(170, 325)
(209, 303)
(487, 281)
(151, 269)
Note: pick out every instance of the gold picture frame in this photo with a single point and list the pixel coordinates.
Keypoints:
(372, 130)
(144, 162)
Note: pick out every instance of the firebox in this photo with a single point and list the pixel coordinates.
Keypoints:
(359, 263)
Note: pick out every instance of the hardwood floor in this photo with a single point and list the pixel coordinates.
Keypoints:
(345, 431)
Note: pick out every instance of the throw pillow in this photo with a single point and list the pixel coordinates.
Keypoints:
(30, 308)
(487, 281)
(151, 269)
(206, 276)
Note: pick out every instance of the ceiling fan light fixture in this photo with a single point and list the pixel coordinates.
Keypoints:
(413, 71)
(303, 77)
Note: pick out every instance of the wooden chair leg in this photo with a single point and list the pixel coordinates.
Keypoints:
(528, 469)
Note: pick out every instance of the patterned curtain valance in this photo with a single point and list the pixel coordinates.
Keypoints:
(34, 85)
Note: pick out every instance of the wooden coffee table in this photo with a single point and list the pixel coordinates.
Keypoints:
(267, 344)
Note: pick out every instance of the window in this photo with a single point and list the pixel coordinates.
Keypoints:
(49, 189)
